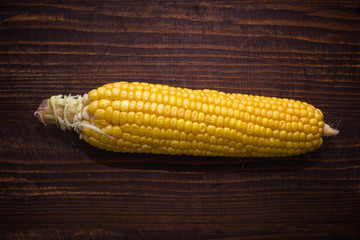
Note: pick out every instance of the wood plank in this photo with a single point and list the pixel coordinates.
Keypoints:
(55, 186)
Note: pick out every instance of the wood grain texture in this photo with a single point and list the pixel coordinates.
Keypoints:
(55, 186)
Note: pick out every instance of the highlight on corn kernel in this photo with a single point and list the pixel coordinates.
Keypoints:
(153, 118)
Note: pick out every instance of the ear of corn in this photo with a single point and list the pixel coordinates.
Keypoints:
(148, 118)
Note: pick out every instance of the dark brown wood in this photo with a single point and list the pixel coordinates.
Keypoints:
(55, 186)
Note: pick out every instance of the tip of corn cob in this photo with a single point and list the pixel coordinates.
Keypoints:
(42, 111)
(60, 110)
(329, 131)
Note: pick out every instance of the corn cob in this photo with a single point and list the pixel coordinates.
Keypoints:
(148, 118)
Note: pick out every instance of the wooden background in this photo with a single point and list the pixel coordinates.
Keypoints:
(55, 186)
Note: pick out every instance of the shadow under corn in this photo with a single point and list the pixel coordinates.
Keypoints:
(184, 163)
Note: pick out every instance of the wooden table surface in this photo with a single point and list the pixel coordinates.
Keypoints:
(55, 186)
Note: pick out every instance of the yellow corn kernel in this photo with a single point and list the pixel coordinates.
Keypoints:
(116, 132)
(176, 134)
(104, 103)
(99, 114)
(124, 106)
(127, 136)
(160, 121)
(187, 127)
(116, 105)
(92, 107)
(125, 128)
(109, 114)
(123, 119)
(219, 132)
(93, 95)
(134, 129)
(132, 106)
